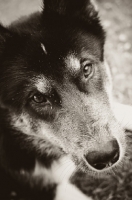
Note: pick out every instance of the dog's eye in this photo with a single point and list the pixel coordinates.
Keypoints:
(39, 98)
(88, 70)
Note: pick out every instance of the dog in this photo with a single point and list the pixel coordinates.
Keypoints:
(56, 109)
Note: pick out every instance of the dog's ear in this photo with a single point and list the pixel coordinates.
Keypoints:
(80, 8)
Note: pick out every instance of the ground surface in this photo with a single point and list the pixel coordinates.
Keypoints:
(117, 19)
(116, 16)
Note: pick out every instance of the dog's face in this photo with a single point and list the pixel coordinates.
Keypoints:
(56, 88)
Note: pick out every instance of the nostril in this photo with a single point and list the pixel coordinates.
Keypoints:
(104, 158)
(99, 166)
(115, 157)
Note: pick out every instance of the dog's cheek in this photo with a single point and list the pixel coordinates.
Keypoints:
(22, 123)
(38, 131)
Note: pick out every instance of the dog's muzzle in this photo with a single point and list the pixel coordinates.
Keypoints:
(105, 157)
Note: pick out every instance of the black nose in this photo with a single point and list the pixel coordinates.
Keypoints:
(105, 157)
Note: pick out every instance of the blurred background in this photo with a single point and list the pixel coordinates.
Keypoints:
(116, 16)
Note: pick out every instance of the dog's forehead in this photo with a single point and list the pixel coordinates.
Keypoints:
(87, 44)
(74, 48)
(44, 84)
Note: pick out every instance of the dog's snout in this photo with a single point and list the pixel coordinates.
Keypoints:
(105, 156)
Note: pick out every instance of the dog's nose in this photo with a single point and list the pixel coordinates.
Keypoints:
(105, 157)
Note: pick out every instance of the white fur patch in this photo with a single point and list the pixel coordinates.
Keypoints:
(73, 64)
(95, 5)
(42, 84)
(59, 172)
(67, 191)
(43, 48)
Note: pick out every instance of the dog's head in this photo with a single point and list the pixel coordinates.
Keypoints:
(56, 88)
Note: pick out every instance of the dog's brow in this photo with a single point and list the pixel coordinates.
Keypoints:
(73, 63)
(44, 49)
(42, 84)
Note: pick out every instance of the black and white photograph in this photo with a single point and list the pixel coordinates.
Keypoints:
(65, 100)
